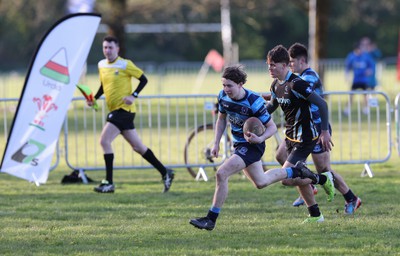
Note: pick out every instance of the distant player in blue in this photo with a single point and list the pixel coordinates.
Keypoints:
(299, 64)
(237, 104)
(369, 47)
(362, 65)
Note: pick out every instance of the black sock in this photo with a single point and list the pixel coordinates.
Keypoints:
(212, 216)
(295, 172)
(349, 196)
(152, 159)
(108, 159)
(314, 210)
(322, 179)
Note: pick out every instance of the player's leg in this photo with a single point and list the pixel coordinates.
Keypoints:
(132, 137)
(299, 152)
(232, 165)
(322, 164)
(255, 171)
(260, 179)
(108, 134)
(281, 153)
(281, 156)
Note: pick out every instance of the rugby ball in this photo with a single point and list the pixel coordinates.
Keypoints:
(254, 125)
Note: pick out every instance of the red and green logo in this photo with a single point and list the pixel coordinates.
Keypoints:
(57, 67)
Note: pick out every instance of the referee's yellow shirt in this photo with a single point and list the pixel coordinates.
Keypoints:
(116, 80)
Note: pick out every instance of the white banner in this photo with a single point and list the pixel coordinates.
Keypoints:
(49, 87)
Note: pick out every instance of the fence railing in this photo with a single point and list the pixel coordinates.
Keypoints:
(179, 130)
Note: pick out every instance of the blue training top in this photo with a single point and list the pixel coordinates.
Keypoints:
(360, 63)
(238, 111)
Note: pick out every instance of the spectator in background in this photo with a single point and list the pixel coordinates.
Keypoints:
(362, 65)
(369, 47)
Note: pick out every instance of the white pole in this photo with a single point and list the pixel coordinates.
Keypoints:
(312, 28)
(226, 31)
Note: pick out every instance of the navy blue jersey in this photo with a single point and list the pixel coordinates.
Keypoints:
(291, 96)
(309, 75)
(238, 111)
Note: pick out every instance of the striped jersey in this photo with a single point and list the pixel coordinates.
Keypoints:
(238, 111)
(309, 75)
(291, 95)
(116, 78)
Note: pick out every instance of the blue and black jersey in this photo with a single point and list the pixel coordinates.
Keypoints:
(238, 111)
(291, 95)
(309, 75)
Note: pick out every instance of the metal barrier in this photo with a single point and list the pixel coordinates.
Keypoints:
(363, 134)
(165, 123)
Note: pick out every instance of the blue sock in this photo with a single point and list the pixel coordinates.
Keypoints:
(289, 172)
(215, 209)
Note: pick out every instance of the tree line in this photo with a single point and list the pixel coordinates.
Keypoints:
(257, 26)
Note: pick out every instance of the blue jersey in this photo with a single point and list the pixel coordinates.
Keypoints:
(238, 111)
(309, 75)
(360, 64)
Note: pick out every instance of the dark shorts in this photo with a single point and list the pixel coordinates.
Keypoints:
(356, 86)
(122, 119)
(299, 151)
(250, 153)
(318, 147)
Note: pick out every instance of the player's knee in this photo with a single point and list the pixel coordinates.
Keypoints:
(221, 175)
(287, 182)
(139, 148)
(280, 159)
(261, 185)
(105, 143)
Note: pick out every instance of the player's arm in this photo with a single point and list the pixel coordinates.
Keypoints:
(266, 96)
(142, 83)
(325, 136)
(219, 131)
(272, 105)
(270, 130)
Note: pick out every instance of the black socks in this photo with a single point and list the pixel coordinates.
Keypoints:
(152, 159)
(108, 159)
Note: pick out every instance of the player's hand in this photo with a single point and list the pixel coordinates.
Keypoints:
(128, 100)
(215, 150)
(325, 140)
(252, 138)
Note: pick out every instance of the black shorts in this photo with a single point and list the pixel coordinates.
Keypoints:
(122, 119)
(250, 153)
(299, 151)
(318, 147)
(362, 86)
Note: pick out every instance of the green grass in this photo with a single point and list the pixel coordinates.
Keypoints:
(56, 219)
(138, 219)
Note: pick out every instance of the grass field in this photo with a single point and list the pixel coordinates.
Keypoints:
(56, 219)
(138, 219)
